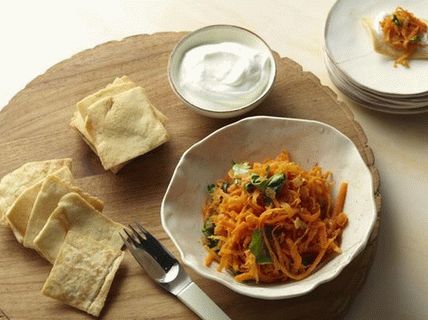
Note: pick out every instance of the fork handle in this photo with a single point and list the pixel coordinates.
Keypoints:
(198, 301)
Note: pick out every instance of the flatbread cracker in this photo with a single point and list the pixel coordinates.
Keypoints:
(82, 106)
(124, 79)
(51, 192)
(124, 127)
(19, 213)
(79, 119)
(83, 273)
(114, 169)
(79, 116)
(75, 214)
(14, 183)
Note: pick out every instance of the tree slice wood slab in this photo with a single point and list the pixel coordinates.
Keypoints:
(34, 126)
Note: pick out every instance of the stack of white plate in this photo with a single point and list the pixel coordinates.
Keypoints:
(367, 77)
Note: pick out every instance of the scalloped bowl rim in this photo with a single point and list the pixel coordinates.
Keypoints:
(247, 289)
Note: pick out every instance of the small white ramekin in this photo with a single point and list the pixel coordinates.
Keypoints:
(215, 34)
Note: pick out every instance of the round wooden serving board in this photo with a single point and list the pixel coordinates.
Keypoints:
(34, 126)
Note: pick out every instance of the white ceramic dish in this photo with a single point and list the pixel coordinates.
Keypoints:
(349, 46)
(216, 34)
(251, 139)
(409, 101)
(362, 101)
(372, 101)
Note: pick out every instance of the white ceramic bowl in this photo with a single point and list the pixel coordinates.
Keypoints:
(216, 34)
(256, 139)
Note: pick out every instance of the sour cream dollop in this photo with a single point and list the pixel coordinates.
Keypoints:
(223, 76)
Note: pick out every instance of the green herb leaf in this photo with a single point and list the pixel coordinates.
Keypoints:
(240, 168)
(258, 248)
(208, 228)
(396, 21)
(259, 183)
(211, 188)
(271, 187)
(276, 182)
(249, 187)
(270, 193)
(255, 179)
(224, 186)
(416, 38)
(212, 243)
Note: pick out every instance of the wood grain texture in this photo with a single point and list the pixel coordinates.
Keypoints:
(34, 126)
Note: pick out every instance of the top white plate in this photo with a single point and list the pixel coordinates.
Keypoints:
(349, 46)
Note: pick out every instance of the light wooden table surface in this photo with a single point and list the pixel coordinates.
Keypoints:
(36, 35)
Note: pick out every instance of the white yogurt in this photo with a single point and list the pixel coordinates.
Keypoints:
(378, 19)
(223, 76)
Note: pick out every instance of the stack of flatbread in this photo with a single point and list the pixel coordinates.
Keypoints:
(119, 123)
(64, 225)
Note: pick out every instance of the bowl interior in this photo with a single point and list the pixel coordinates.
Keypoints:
(217, 34)
(256, 139)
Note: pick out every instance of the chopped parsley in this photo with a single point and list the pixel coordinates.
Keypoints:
(211, 188)
(258, 248)
(240, 168)
(396, 21)
(270, 187)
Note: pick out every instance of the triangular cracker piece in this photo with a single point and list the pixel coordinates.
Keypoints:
(124, 127)
(14, 183)
(19, 213)
(51, 192)
(83, 273)
(74, 213)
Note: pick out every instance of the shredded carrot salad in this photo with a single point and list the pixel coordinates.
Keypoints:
(403, 31)
(272, 221)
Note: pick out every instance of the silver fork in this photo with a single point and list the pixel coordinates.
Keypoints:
(164, 269)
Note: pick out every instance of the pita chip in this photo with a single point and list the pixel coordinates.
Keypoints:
(83, 273)
(76, 214)
(14, 183)
(118, 86)
(124, 127)
(78, 119)
(19, 213)
(114, 169)
(51, 192)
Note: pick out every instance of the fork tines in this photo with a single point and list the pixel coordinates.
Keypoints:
(140, 238)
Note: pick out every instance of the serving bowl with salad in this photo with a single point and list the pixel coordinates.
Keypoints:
(206, 169)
